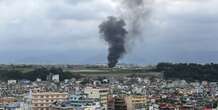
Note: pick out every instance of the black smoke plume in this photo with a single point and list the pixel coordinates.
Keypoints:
(114, 33)
(121, 33)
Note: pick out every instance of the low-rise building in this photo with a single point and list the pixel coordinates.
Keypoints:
(7, 100)
(12, 82)
(77, 102)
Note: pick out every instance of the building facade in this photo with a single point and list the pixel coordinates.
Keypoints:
(43, 100)
(98, 93)
(136, 102)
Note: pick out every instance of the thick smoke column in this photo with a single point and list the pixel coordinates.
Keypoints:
(114, 34)
(134, 14)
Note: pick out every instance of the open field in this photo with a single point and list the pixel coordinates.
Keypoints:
(113, 72)
(33, 71)
(121, 74)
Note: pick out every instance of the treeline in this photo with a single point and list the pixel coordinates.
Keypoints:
(190, 72)
(41, 73)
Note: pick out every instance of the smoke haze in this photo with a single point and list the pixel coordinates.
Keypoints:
(136, 13)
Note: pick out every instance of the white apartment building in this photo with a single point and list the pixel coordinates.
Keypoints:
(98, 93)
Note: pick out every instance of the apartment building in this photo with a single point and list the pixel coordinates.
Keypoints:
(43, 100)
(136, 102)
(98, 93)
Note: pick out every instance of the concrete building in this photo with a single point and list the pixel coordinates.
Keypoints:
(132, 102)
(15, 106)
(7, 100)
(98, 93)
(42, 100)
(77, 102)
(116, 103)
(83, 102)
(61, 108)
(136, 102)
(11, 103)
(119, 103)
(56, 78)
(12, 82)
(110, 103)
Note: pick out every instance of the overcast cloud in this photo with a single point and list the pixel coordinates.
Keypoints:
(66, 31)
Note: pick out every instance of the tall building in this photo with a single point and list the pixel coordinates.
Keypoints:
(98, 93)
(42, 100)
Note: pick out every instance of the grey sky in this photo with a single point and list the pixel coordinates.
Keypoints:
(66, 31)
